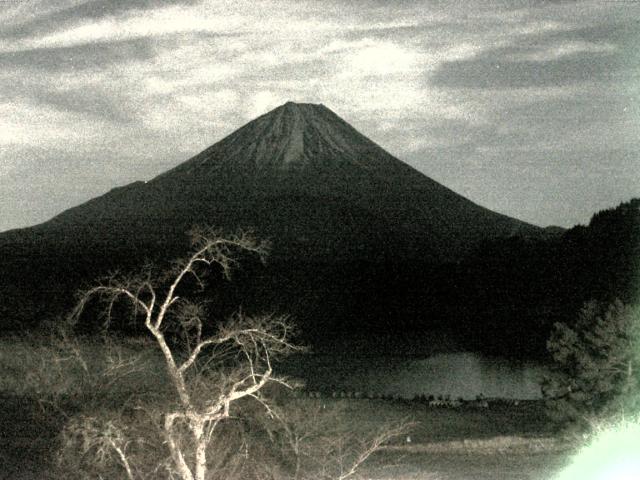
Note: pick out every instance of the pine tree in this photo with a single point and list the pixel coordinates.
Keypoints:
(596, 365)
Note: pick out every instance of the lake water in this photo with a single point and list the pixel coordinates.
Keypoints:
(463, 375)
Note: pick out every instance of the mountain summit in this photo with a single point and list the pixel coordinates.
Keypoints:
(292, 137)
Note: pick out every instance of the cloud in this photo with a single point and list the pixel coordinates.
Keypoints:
(47, 17)
(563, 57)
(158, 19)
(497, 70)
(556, 52)
(380, 58)
(164, 21)
(84, 56)
(30, 124)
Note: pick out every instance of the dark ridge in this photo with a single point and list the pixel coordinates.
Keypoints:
(359, 237)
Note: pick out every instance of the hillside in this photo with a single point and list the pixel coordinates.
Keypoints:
(348, 221)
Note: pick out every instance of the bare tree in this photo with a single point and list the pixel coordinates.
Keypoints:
(205, 394)
(325, 444)
(214, 375)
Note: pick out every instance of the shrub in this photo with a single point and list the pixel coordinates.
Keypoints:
(596, 365)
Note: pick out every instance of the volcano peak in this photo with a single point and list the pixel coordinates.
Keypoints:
(292, 104)
(291, 137)
(305, 112)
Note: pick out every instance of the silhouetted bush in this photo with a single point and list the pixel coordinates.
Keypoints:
(596, 365)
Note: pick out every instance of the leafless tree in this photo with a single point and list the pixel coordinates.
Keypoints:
(325, 443)
(213, 374)
(251, 343)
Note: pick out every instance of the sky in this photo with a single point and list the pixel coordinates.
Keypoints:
(530, 108)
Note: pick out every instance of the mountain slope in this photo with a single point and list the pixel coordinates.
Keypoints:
(354, 229)
(298, 174)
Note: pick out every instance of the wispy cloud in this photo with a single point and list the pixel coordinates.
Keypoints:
(563, 50)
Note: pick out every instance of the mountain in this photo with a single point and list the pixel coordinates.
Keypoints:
(304, 177)
(339, 209)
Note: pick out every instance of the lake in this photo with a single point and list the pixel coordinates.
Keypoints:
(464, 375)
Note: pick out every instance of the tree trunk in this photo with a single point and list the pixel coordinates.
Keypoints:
(201, 450)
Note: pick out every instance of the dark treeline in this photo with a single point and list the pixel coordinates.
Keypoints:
(518, 288)
(501, 299)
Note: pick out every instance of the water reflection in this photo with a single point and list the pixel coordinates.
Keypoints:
(463, 375)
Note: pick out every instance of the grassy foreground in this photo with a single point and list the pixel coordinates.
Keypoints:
(445, 444)
(503, 441)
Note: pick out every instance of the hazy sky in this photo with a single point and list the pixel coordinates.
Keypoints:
(529, 108)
